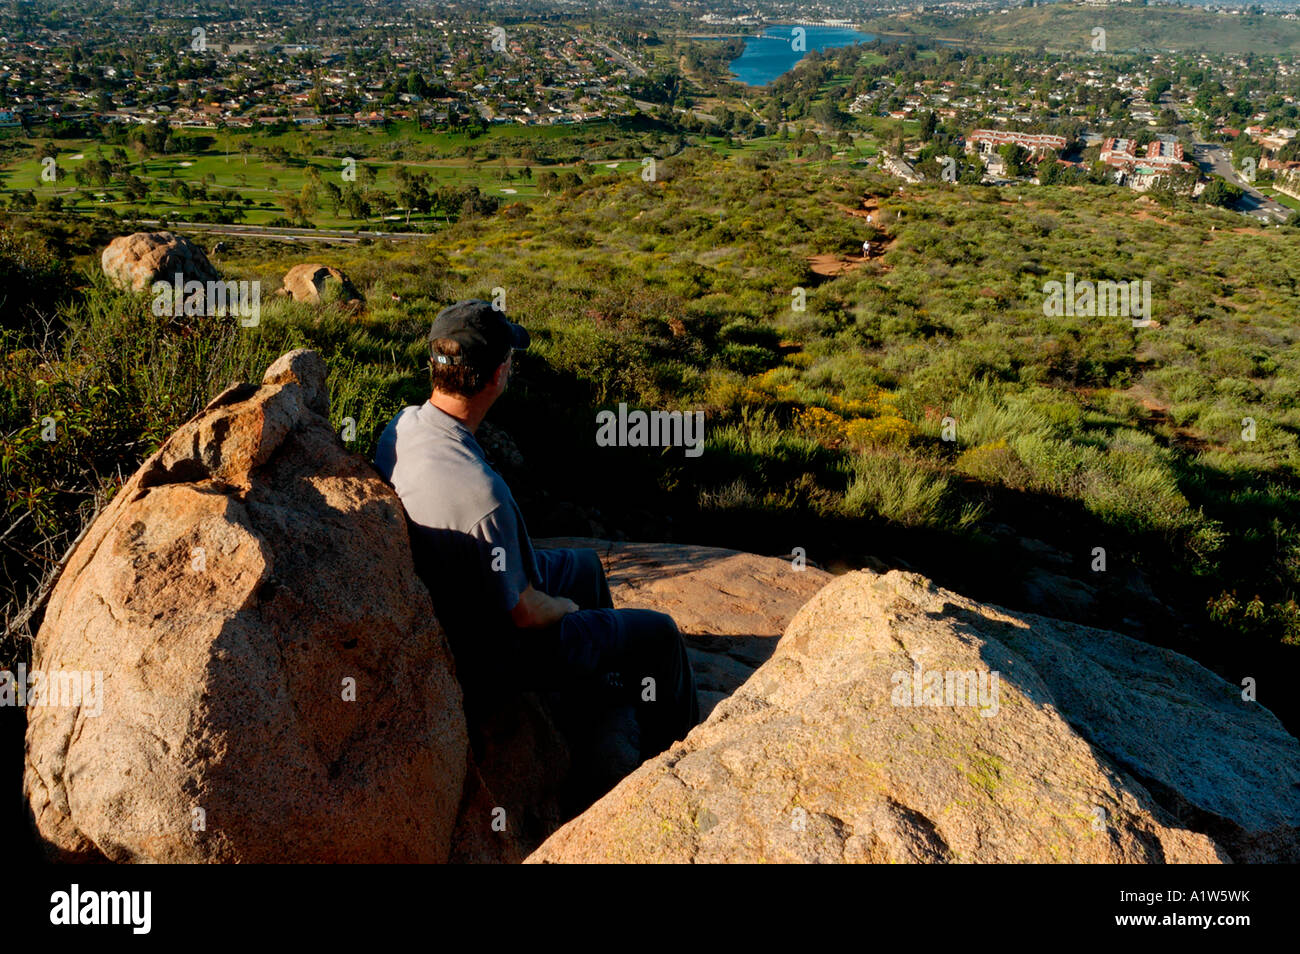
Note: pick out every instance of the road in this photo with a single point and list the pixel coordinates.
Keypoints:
(646, 107)
(622, 60)
(1215, 158)
(287, 234)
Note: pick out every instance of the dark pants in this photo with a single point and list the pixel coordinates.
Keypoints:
(601, 659)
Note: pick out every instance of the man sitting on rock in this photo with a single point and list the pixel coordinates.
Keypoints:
(520, 618)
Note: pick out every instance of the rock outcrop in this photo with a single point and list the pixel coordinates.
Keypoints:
(1090, 747)
(730, 606)
(306, 283)
(136, 261)
(275, 686)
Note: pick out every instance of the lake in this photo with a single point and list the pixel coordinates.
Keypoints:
(769, 55)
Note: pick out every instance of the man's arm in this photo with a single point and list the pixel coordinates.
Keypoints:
(535, 609)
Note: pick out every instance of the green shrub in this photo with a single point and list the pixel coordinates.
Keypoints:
(901, 490)
(994, 463)
(32, 278)
(748, 359)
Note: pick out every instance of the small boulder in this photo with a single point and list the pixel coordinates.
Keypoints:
(306, 283)
(138, 260)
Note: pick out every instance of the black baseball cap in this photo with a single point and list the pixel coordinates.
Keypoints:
(484, 333)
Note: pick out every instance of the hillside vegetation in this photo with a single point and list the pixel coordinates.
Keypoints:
(825, 427)
(1069, 26)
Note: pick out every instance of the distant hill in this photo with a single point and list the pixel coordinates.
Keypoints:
(1069, 26)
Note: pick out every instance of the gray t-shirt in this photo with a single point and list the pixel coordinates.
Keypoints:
(470, 543)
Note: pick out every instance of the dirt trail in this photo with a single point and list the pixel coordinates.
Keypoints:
(831, 264)
(870, 206)
(1182, 437)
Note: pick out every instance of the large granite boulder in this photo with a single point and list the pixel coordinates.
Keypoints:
(136, 261)
(275, 686)
(876, 732)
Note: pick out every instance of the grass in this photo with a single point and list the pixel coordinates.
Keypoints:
(503, 163)
(1281, 197)
(266, 183)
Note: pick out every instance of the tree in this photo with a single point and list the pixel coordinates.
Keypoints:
(1015, 156)
(293, 207)
(381, 202)
(355, 202)
(334, 196)
(1221, 192)
(408, 196)
(829, 115)
(309, 199)
(928, 125)
(135, 189)
(1158, 88)
(155, 136)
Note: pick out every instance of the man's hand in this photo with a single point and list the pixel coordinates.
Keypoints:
(535, 609)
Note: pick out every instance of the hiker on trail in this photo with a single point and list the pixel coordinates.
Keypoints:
(520, 619)
(866, 249)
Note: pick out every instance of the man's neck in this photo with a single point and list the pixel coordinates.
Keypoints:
(469, 413)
